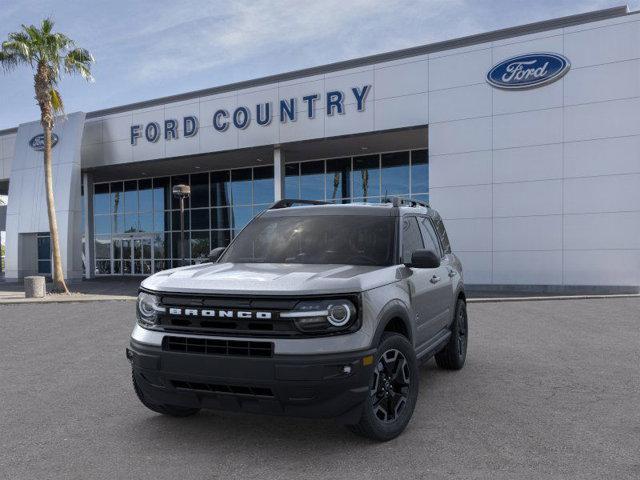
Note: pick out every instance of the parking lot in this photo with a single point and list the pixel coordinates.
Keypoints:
(551, 389)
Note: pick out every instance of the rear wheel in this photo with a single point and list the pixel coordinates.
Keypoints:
(171, 410)
(454, 354)
(393, 390)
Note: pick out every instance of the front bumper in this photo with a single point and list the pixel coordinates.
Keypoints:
(323, 386)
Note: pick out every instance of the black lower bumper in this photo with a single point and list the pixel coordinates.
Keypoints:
(321, 386)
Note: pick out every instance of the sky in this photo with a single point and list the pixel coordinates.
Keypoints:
(145, 50)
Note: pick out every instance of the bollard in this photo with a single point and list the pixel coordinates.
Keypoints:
(34, 287)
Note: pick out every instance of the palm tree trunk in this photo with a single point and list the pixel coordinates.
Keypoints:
(59, 285)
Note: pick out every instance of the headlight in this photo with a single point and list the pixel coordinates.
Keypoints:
(323, 316)
(148, 307)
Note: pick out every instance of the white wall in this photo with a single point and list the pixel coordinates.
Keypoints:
(542, 186)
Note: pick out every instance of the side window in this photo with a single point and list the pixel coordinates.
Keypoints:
(430, 239)
(442, 233)
(411, 238)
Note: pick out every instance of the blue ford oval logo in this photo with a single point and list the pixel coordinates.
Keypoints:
(37, 142)
(528, 71)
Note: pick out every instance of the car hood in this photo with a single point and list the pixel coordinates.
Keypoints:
(270, 279)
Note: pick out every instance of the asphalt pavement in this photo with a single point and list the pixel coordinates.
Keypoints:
(551, 390)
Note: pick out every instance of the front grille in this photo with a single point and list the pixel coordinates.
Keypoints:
(229, 389)
(208, 346)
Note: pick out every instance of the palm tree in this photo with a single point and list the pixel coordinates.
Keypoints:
(47, 53)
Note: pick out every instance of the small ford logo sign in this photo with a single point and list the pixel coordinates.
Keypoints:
(37, 142)
(528, 71)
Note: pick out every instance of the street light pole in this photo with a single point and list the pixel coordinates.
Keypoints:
(181, 192)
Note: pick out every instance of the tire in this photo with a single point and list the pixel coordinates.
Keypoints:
(171, 410)
(393, 390)
(454, 354)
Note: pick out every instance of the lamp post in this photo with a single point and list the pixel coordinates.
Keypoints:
(181, 192)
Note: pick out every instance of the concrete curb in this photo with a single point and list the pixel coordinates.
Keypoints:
(67, 299)
(544, 299)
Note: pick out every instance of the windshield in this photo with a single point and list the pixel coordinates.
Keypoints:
(318, 239)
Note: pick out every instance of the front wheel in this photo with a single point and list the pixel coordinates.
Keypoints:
(454, 354)
(393, 390)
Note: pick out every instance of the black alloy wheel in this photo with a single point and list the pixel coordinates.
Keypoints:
(391, 382)
(454, 354)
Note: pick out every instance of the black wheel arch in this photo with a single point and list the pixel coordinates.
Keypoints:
(394, 317)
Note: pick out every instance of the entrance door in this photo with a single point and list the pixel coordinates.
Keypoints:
(133, 255)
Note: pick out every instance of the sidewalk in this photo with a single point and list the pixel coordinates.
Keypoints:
(84, 291)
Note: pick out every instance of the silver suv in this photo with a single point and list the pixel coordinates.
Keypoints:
(314, 310)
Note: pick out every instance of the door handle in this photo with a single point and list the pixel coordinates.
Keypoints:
(434, 279)
(452, 273)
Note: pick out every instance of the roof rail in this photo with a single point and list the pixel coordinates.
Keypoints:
(406, 202)
(290, 202)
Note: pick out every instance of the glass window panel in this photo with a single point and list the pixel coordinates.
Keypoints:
(126, 267)
(101, 198)
(423, 197)
(145, 222)
(161, 221)
(103, 247)
(131, 196)
(179, 180)
(44, 266)
(220, 218)
(220, 238)
(126, 249)
(263, 184)
(200, 190)
(411, 238)
(117, 248)
(312, 180)
(220, 189)
(175, 220)
(145, 195)
(161, 243)
(241, 216)
(102, 224)
(103, 267)
(161, 194)
(117, 191)
(200, 245)
(117, 223)
(292, 180)
(395, 173)
(241, 187)
(175, 245)
(117, 267)
(419, 171)
(44, 247)
(366, 177)
(131, 222)
(161, 265)
(338, 179)
(200, 219)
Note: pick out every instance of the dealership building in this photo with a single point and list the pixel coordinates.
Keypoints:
(526, 140)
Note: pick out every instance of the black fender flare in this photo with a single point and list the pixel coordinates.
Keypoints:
(393, 309)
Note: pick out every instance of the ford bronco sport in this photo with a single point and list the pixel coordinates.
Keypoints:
(313, 310)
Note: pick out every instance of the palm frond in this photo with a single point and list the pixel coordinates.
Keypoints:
(79, 60)
(56, 101)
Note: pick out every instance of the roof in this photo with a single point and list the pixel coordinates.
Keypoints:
(501, 34)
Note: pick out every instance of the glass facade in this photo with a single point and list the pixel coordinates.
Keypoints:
(364, 178)
(44, 253)
(137, 222)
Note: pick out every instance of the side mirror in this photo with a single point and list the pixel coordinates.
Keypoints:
(214, 254)
(424, 259)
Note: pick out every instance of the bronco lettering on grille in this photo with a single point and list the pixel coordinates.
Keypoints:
(241, 314)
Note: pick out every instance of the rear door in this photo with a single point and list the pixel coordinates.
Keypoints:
(443, 284)
(422, 286)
